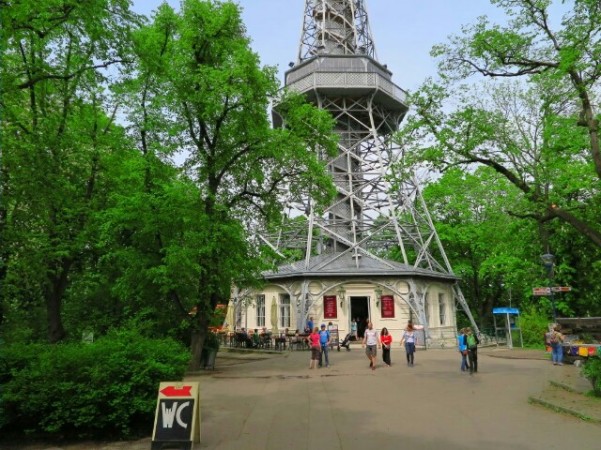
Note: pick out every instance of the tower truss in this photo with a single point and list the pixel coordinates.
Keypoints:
(369, 219)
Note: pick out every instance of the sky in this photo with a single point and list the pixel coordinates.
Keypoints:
(404, 31)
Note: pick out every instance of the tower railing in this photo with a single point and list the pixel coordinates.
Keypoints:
(348, 80)
(337, 63)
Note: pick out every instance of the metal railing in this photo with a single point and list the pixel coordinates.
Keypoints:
(348, 80)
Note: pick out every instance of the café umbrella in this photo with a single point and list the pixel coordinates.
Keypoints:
(229, 317)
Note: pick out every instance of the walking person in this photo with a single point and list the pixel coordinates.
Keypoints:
(555, 339)
(409, 340)
(386, 341)
(309, 326)
(462, 346)
(315, 348)
(354, 329)
(472, 342)
(371, 342)
(324, 342)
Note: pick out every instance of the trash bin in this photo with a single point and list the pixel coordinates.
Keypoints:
(207, 358)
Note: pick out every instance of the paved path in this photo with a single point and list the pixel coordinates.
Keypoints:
(279, 404)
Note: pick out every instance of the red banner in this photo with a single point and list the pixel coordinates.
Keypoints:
(330, 308)
(387, 306)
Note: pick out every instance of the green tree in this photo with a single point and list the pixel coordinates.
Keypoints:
(55, 135)
(205, 96)
(529, 140)
(488, 249)
(564, 64)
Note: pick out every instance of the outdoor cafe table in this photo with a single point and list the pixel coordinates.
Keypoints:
(300, 340)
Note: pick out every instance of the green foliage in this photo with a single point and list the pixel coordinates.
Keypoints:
(105, 388)
(198, 88)
(56, 135)
(98, 226)
(592, 371)
(534, 325)
(520, 158)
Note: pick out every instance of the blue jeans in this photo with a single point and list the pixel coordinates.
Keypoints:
(409, 351)
(464, 364)
(324, 351)
(557, 353)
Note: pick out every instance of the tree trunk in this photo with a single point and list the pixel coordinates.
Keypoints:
(54, 299)
(583, 228)
(56, 331)
(197, 342)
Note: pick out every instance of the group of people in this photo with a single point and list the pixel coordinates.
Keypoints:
(319, 340)
(467, 343)
(252, 339)
(372, 341)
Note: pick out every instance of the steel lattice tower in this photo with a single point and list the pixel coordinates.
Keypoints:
(337, 70)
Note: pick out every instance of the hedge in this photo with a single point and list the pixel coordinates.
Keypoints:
(108, 387)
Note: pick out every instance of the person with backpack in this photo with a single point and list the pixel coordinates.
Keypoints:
(324, 341)
(555, 339)
(472, 342)
(462, 346)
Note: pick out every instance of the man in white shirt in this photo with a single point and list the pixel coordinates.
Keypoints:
(371, 341)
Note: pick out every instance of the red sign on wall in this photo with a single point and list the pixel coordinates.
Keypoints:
(387, 305)
(330, 309)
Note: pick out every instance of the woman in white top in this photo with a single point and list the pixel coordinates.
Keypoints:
(371, 342)
(409, 340)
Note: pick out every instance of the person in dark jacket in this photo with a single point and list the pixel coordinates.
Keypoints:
(472, 342)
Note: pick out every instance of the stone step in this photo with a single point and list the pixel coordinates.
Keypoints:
(563, 399)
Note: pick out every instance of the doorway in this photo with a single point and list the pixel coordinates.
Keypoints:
(360, 312)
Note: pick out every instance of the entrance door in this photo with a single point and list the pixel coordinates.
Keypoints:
(360, 312)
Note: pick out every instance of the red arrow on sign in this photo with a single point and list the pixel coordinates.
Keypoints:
(172, 391)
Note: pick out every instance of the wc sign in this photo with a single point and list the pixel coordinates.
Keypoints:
(177, 417)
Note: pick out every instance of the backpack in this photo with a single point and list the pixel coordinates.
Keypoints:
(471, 341)
(553, 338)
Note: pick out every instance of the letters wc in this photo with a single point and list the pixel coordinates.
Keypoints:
(177, 417)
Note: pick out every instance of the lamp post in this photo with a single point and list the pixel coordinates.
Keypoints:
(549, 263)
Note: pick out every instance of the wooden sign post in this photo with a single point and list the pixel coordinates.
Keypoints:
(177, 417)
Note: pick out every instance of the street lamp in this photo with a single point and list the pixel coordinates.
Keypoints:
(549, 263)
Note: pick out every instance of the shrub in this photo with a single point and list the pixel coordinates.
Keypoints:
(534, 325)
(108, 387)
(592, 371)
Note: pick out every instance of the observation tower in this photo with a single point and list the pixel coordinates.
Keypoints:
(373, 253)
